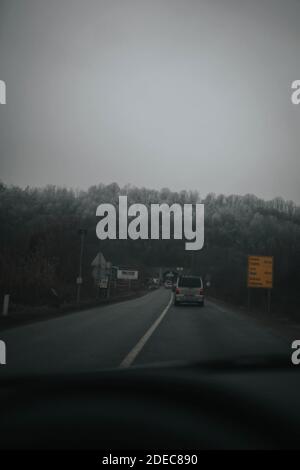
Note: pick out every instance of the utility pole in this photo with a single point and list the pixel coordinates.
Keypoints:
(269, 300)
(109, 275)
(82, 232)
(5, 305)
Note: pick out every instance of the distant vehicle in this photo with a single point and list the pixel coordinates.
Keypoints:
(153, 283)
(189, 289)
(168, 284)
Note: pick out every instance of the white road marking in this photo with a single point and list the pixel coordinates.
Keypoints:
(131, 356)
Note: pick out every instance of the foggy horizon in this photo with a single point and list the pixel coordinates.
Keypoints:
(202, 195)
(188, 96)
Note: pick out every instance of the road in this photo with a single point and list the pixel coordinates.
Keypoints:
(148, 329)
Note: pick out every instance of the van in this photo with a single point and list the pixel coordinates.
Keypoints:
(189, 289)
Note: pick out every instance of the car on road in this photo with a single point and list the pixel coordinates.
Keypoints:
(168, 284)
(189, 289)
(153, 283)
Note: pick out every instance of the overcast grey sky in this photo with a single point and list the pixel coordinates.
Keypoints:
(192, 94)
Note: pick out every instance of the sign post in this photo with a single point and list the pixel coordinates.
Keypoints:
(269, 300)
(248, 300)
(101, 273)
(82, 233)
(260, 275)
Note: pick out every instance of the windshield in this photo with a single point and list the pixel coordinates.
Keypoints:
(190, 282)
(86, 272)
(88, 265)
(149, 193)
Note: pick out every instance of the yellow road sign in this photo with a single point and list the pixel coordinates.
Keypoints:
(260, 271)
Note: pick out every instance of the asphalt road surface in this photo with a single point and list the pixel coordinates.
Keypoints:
(149, 329)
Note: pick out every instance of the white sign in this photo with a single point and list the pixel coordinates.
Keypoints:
(79, 280)
(99, 261)
(2, 353)
(127, 274)
(103, 283)
(101, 267)
(2, 92)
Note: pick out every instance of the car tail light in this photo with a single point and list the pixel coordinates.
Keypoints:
(201, 292)
(177, 290)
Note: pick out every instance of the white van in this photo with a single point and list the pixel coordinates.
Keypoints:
(189, 289)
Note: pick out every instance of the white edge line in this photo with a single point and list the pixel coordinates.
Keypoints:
(216, 306)
(131, 356)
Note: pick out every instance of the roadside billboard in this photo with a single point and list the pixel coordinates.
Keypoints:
(260, 272)
(127, 274)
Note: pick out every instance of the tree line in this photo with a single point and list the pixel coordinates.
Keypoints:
(39, 242)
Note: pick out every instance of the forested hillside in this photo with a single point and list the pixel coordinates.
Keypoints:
(40, 242)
